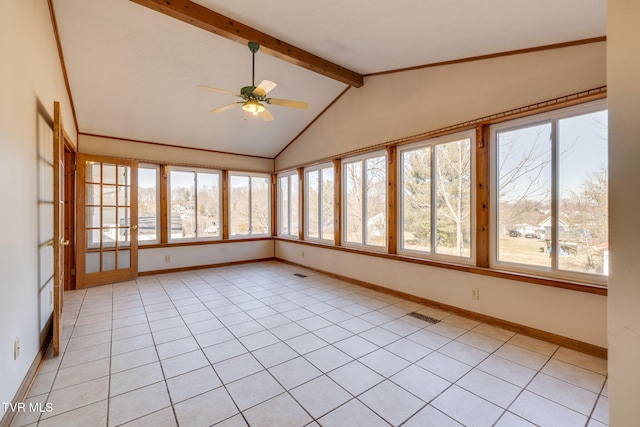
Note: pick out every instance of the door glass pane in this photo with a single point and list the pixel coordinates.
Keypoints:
(124, 237)
(124, 259)
(208, 205)
(238, 205)
(453, 190)
(93, 172)
(327, 203)
(124, 217)
(93, 238)
(376, 191)
(92, 261)
(259, 205)
(583, 194)
(108, 217)
(416, 200)
(123, 196)
(353, 217)
(108, 173)
(108, 195)
(124, 175)
(524, 195)
(93, 217)
(313, 206)
(108, 260)
(93, 194)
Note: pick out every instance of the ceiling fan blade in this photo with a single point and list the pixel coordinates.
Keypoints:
(266, 115)
(264, 87)
(287, 103)
(226, 107)
(219, 90)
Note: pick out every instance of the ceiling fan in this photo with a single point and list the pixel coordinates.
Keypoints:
(254, 97)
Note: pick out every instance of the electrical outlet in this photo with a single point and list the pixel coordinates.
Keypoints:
(16, 348)
(475, 293)
(167, 258)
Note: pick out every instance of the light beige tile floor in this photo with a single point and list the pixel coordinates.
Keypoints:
(255, 345)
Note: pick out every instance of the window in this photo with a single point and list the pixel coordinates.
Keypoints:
(365, 200)
(435, 197)
(288, 200)
(148, 204)
(319, 203)
(194, 204)
(551, 191)
(249, 205)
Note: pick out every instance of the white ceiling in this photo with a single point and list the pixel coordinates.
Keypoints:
(133, 71)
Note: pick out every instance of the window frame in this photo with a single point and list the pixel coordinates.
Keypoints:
(269, 202)
(158, 238)
(553, 118)
(290, 176)
(195, 171)
(362, 158)
(318, 168)
(432, 143)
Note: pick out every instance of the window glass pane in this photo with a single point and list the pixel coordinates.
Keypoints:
(294, 183)
(284, 204)
(259, 205)
(327, 221)
(376, 191)
(93, 238)
(93, 217)
(416, 200)
(108, 260)
(147, 204)
(354, 202)
(124, 259)
(92, 262)
(208, 202)
(238, 205)
(182, 205)
(124, 175)
(583, 193)
(123, 196)
(313, 204)
(524, 195)
(453, 190)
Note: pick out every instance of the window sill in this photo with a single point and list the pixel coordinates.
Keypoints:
(203, 242)
(502, 274)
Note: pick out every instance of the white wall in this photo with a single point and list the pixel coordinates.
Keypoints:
(576, 315)
(394, 106)
(623, 71)
(190, 256)
(149, 152)
(30, 74)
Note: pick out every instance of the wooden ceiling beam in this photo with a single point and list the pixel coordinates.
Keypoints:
(199, 16)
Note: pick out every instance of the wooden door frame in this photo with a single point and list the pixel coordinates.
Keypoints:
(70, 214)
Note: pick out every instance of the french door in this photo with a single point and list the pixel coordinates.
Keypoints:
(107, 220)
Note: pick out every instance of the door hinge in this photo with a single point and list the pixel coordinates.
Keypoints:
(74, 167)
(73, 272)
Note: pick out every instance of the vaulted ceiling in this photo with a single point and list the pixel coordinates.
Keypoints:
(133, 70)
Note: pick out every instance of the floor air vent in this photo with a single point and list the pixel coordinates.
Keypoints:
(299, 274)
(423, 317)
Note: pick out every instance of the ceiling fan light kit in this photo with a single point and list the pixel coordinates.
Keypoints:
(256, 96)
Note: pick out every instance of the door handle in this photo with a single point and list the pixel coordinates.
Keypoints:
(64, 243)
(49, 243)
(134, 227)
